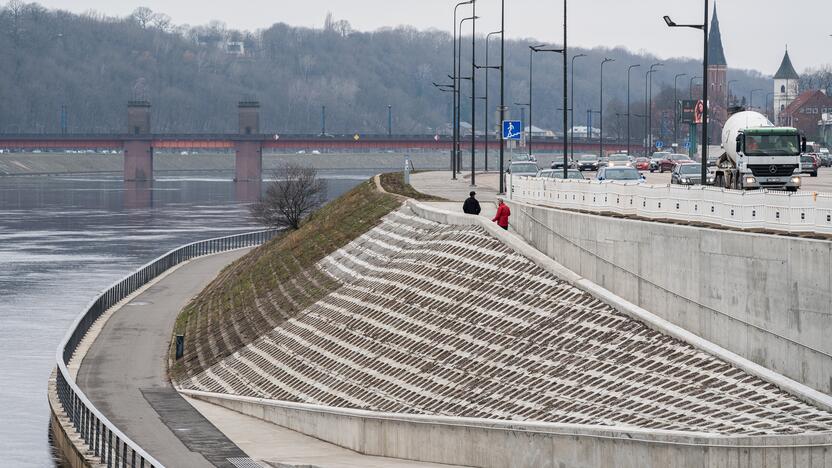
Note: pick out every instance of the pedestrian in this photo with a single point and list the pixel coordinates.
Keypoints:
(471, 205)
(503, 212)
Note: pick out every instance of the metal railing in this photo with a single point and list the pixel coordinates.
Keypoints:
(101, 436)
(801, 212)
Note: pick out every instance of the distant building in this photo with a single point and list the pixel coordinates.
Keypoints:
(806, 111)
(539, 132)
(786, 88)
(580, 131)
(717, 81)
(825, 128)
(237, 48)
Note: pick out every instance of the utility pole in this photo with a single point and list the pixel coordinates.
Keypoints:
(628, 106)
(601, 139)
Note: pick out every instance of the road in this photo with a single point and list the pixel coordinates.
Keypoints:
(125, 373)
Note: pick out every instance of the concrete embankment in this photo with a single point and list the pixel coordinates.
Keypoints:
(767, 298)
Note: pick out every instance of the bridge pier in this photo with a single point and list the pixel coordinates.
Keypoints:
(249, 148)
(138, 147)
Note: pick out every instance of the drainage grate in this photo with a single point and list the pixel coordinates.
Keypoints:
(244, 462)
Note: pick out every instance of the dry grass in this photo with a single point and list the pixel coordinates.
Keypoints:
(393, 182)
(274, 282)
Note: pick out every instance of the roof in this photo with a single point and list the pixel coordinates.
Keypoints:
(716, 55)
(803, 98)
(786, 70)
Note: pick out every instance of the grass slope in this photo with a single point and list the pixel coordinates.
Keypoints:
(393, 182)
(274, 282)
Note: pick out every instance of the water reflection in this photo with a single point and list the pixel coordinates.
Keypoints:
(138, 194)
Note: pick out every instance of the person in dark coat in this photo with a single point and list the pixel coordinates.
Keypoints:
(503, 213)
(471, 205)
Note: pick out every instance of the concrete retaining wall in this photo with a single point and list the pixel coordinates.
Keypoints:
(767, 298)
(495, 444)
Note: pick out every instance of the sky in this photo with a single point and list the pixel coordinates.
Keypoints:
(755, 33)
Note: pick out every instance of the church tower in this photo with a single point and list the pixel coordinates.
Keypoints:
(786, 87)
(717, 82)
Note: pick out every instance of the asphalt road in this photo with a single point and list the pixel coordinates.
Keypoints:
(125, 372)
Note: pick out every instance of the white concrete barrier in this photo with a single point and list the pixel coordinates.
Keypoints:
(802, 212)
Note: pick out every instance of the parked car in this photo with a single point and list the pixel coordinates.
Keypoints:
(688, 174)
(586, 162)
(522, 168)
(657, 158)
(825, 159)
(557, 163)
(623, 174)
(620, 160)
(558, 174)
(809, 165)
(642, 164)
(668, 163)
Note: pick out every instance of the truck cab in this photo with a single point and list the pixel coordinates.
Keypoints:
(769, 157)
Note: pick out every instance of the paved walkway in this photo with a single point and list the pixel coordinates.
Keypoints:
(125, 373)
(439, 183)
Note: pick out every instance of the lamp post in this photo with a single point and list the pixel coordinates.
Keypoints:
(458, 96)
(389, 120)
(728, 95)
(647, 104)
(751, 97)
(704, 28)
(566, 103)
(455, 73)
(572, 108)
(690, 86)
(502, 91)
(532, 50)
(474, 95)
(487, 68)
(676, 107)
(650, 105)
(601, 139)
(629, 69)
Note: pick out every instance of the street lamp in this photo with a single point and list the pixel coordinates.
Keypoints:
(532, 50)
(502, 91)
(648, 103)
(690, 86)
(455, 73)
(704, 28)
(676, 107)
(487, 67)
(601, 140)
(751, 97)
(629, 69)
(728, 94)
(572, 108)
(650, 113)
(473, 95)
(458, 91)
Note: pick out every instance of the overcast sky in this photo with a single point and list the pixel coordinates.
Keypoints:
(755, 32)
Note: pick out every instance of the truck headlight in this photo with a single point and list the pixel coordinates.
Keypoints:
(796, 180)
(685, 181)
(750, 180)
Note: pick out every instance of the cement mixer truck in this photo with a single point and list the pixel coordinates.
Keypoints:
(758, 155)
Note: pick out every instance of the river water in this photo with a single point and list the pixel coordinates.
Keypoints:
(65, 239)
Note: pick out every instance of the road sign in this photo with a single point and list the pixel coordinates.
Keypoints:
(511, 130)
(686, 145)
(659, 144)
(356, 137)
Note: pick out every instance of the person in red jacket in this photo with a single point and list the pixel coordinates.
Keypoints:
(503, 212)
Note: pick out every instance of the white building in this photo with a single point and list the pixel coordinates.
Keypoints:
(580, 131)
(786, 87)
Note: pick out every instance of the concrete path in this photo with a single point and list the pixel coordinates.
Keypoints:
(124, 372)
(439, 183)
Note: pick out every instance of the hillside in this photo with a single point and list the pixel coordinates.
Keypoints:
(94, 64)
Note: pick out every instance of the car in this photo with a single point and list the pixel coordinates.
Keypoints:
(558, 174)
(669, 162)
(809, 165)
(642, 164)
(620, 160)
(586, 162)
(557, 163)
(657, 158)
(688, 174)
(825, 159)
(522, 168)
(622, 174)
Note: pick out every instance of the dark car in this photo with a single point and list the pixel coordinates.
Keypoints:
(670, 161)
(623, 174)
(586, 162)
(687, 174)
(557, 163)
(558, 174)
(809, 165)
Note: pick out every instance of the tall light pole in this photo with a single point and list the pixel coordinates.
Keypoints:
(676, 107)
(704, 28)
(690, 86)
(458, 94)
(474, 95)
(647, 104)
(487, 67)
(571, 134)
(502, 91)
(728, 95)
(601, 140)
(566, 103)
(389, 120)
(532, 50)
(650, 106)
(455, 74)
(751, 97)
(629, 69)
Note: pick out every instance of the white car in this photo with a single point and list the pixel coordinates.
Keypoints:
(523, 168)
(620, 174)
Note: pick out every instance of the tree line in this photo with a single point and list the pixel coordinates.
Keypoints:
(92, 64)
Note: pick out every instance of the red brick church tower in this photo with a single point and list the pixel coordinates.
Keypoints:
(718, 82)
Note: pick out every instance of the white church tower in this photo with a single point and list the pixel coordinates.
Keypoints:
(786, 88)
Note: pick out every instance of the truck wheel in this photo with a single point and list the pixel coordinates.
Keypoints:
(814, 174)
(791, 189)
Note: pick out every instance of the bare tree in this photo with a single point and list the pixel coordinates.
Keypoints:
(143, 16)
(294, 194)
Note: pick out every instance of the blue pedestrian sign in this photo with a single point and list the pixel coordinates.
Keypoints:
(659, 144)
(687, 145)
(512, 129)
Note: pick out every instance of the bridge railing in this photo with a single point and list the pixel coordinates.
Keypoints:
(101, 436)
(799, 212)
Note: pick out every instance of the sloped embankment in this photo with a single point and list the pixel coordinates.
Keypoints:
(274, 282)
(447, 320)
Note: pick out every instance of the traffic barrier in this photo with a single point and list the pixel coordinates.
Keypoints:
(801, 212)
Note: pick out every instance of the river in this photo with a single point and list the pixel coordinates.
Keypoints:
(64, 239)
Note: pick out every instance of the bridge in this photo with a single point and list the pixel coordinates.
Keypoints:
(139, 144)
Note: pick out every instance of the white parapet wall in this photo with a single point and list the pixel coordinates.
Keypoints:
(803, 212)
(765, 297)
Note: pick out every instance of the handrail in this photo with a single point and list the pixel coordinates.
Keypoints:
(102, 437)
